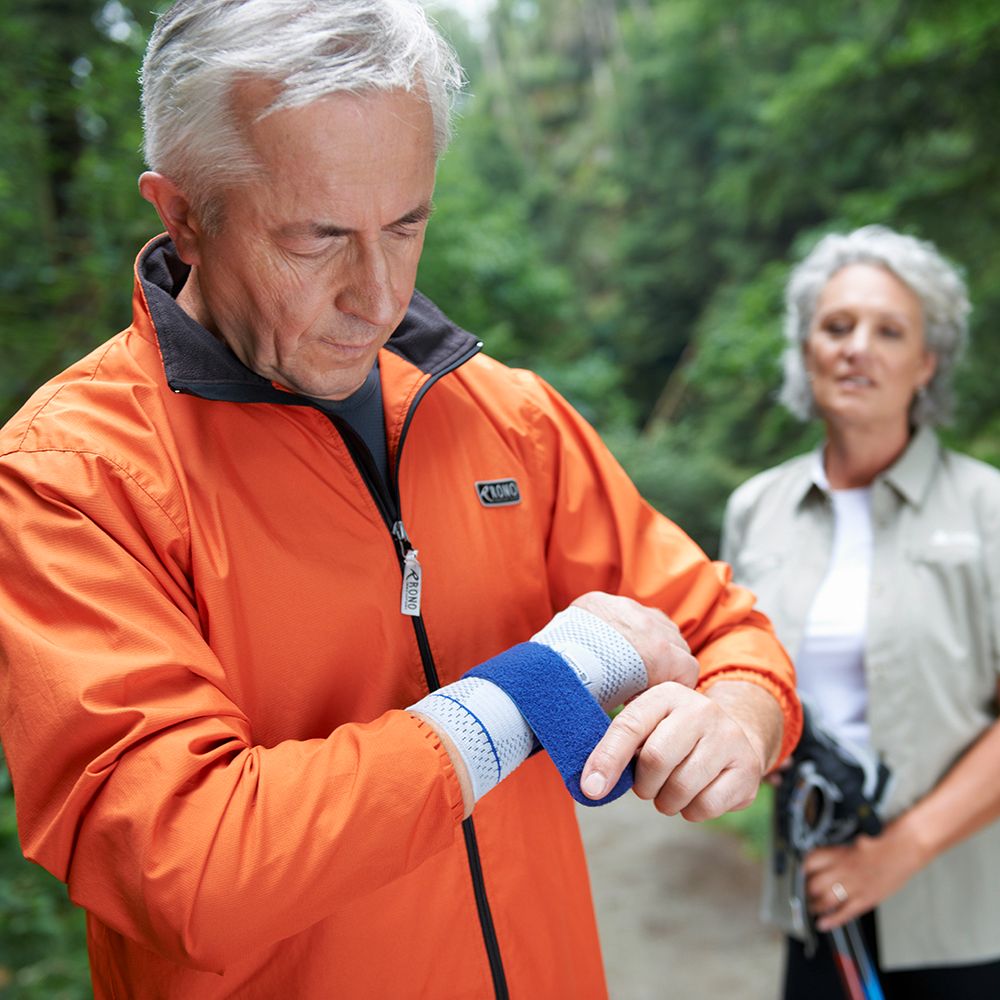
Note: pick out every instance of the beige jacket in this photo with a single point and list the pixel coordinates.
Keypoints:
(932, 657)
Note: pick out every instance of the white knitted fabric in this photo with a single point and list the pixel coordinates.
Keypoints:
(485, 726)
(604, 660)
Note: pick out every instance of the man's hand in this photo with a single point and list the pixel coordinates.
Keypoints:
(700, 755)
(654, 636)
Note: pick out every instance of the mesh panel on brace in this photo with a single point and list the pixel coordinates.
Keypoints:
(485, 726)
(622, 672)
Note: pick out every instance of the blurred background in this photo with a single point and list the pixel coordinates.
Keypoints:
(630, 183)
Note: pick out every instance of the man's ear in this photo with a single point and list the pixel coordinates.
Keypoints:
(176, 213)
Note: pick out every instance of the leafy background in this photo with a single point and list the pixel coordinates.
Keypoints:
(631, 181)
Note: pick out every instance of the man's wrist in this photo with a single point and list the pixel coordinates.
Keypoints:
(484, 726)
(756, 712)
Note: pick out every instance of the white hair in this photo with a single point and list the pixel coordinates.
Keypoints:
(918, 264)
(200, 50)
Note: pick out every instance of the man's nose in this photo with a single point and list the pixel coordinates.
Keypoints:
(366, 289)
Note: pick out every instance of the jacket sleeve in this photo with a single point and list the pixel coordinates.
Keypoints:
(136, 777)
(604, 536)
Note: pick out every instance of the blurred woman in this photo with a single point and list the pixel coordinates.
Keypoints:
(878, 559)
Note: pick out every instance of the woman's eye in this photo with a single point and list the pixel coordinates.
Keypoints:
(837, 327)
(892, 332)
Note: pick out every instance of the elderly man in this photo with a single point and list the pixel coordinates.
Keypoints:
(271, 558)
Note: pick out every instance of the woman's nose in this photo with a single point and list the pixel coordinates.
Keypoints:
(860, 340)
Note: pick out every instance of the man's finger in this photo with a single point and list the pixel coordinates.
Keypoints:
(627, 732)
(729, 792)
(666, 755)
(675, 789)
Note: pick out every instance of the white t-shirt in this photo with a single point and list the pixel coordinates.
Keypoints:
(831, 664)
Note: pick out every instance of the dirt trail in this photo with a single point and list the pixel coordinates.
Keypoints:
(677, 908)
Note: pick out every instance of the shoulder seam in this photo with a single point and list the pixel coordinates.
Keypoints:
(55, 392)
(101, 458)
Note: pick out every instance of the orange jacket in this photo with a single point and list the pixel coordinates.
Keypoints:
(203, 665)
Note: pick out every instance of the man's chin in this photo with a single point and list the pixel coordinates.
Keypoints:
(333, 388)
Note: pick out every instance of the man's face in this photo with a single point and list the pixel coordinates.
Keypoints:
(316, 259)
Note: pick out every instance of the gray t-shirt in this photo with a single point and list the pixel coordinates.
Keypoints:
(362, 410)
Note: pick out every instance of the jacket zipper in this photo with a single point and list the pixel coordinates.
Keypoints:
(386, 497)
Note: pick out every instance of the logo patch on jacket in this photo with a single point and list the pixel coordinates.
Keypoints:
(498, 492)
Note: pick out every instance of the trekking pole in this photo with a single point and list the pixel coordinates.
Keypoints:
(869, 976)
(832, 791)
(850, 974)
(857, 971)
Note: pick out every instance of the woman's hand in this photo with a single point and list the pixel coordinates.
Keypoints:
(848, 880)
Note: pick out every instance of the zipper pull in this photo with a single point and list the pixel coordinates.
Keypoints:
(412, 582)
(409, 603)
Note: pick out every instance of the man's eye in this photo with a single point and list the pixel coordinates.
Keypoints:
(407, 230)
(892, 332)
(311, 246)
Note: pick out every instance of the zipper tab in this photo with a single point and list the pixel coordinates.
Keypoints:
(409, 603)
(412, 582)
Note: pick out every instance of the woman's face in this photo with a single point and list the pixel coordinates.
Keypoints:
(865, 353)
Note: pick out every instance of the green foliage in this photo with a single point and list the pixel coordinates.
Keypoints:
(484, 257)
(42, 940)
(680, 478)
(68, 166)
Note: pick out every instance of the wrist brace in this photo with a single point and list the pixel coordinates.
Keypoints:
(556, 687)
(486, 727)
(605, 661)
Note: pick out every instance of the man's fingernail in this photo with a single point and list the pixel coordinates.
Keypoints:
(593, 785)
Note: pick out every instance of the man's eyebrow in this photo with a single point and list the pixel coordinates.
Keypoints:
(325, 229)
(420, 214)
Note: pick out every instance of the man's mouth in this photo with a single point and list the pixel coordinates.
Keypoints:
(350, 347)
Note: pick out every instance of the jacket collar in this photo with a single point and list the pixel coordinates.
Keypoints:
(198, 363)
(910, 475)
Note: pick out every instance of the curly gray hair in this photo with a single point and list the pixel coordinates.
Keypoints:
(918, 264)
(200, 49)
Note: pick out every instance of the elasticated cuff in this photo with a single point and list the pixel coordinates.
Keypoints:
(456, 802)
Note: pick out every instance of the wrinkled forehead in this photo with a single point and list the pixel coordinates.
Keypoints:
(346, 161)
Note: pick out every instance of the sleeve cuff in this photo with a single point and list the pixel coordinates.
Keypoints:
(456, 802)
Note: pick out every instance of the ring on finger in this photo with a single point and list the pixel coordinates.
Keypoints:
(839, 892)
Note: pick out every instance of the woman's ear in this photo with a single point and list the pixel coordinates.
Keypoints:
(175, 212)
(928, 368)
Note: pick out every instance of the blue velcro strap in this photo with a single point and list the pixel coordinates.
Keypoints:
(562, 713)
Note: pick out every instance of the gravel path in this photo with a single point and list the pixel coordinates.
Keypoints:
(677, 908)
